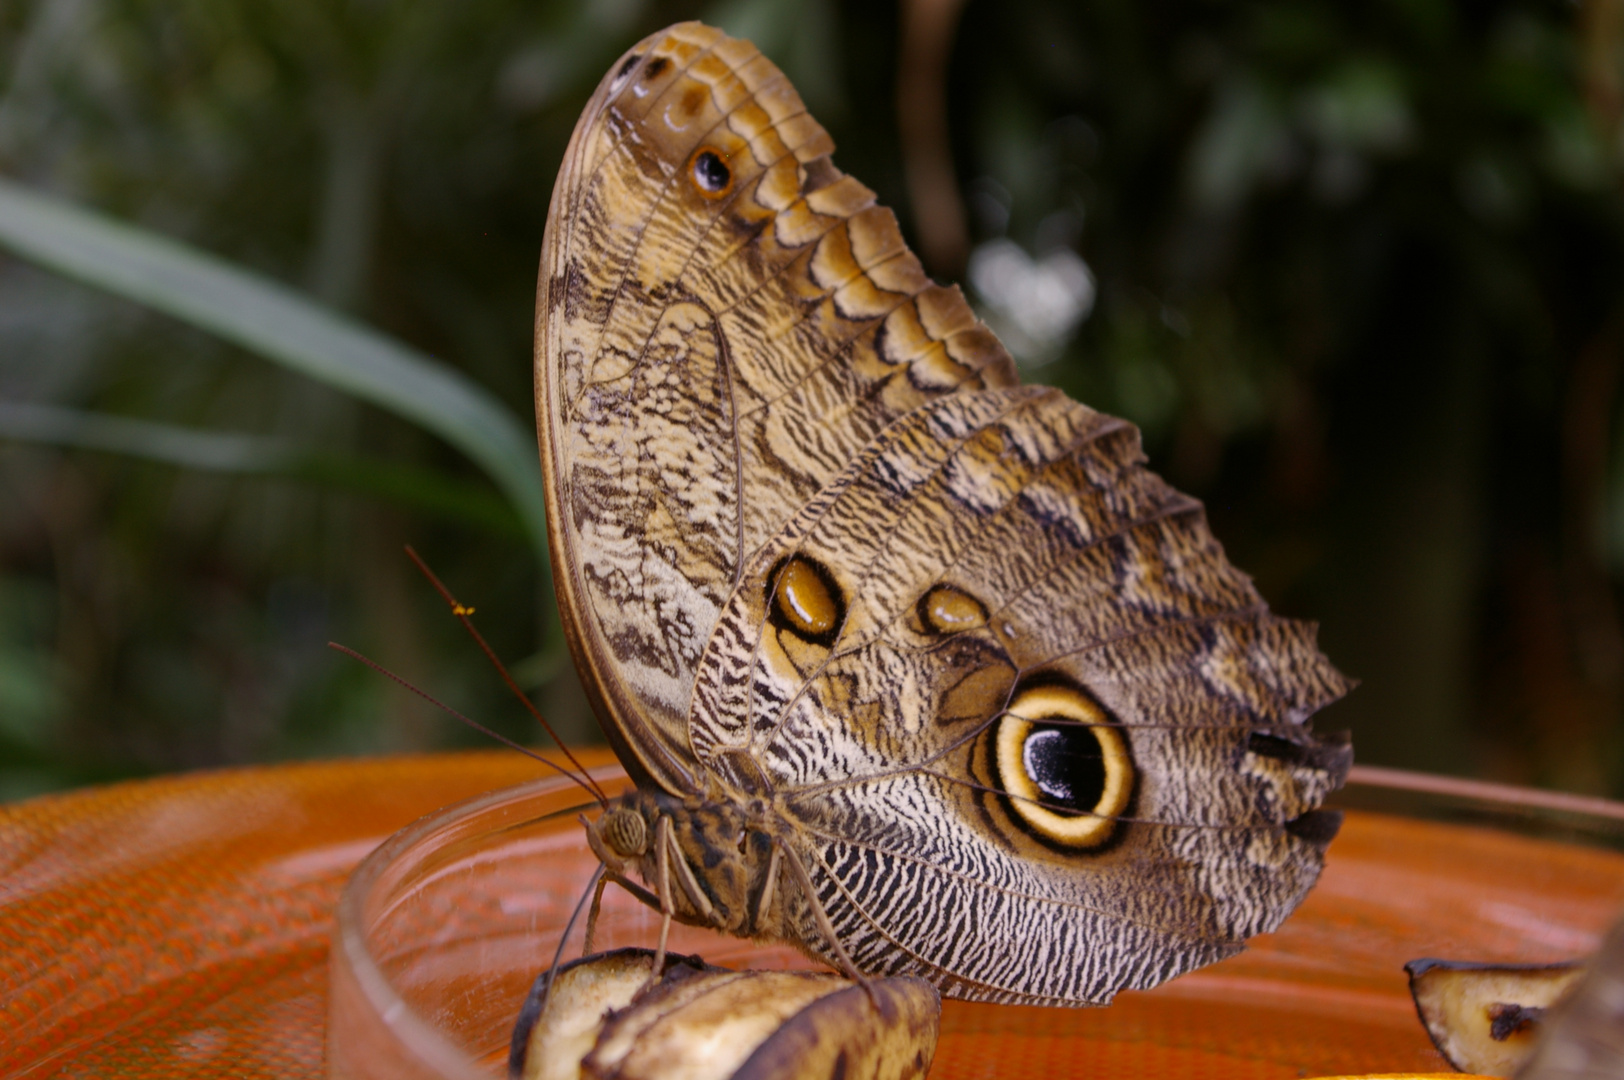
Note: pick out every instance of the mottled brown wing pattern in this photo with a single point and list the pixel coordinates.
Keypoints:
(1105, 579)
(992, 680)
(707, 360)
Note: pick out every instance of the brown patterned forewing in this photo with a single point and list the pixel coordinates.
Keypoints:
(707, 360)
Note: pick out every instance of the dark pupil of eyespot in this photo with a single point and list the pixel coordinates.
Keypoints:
(711, 172)
(1066, 766)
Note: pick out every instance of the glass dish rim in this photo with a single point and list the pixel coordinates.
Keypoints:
(418, 1035)
(422, 1038)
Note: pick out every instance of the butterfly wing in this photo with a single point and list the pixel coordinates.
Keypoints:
(1079, 579)
(724, 321)
(1035, 738)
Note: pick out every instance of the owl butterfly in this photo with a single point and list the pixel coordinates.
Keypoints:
(913, 666)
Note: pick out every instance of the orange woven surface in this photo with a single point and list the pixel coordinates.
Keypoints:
(179, 927)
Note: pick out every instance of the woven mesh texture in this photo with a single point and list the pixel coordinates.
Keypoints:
(178, 928)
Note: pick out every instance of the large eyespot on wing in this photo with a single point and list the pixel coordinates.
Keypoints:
(1064, 766)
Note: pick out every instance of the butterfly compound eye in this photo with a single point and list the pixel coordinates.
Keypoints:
(1064, 765)
(710, 174)
(805, 600)
(624, 831)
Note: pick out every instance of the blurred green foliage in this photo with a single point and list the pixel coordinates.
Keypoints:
(1358, 272)
(1360, 281)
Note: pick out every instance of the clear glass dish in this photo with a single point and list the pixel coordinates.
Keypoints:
(441, 931)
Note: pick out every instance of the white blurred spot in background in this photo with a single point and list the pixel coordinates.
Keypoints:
(1034, 305)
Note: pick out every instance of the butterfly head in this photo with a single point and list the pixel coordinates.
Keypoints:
(624, 831)
(622, 836)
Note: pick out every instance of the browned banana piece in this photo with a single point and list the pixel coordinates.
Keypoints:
(1485, 1018)
(603, 1020)
(1584, 1035)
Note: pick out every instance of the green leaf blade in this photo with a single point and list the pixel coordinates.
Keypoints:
(279, 324)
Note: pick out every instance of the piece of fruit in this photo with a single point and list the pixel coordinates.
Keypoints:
(1584, 1035)
(1485, 1018)
(604, 1020)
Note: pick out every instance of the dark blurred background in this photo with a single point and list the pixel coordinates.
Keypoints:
(1356, 269)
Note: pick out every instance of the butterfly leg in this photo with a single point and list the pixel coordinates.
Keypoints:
(769, 887)
(663, 842)
(825, 927)
(666, 852)
(685, 876)
(592, 916)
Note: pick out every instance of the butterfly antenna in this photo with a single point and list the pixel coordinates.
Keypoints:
(583, 780)
(462, 612)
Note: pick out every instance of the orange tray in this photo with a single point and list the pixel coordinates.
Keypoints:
(179, 927)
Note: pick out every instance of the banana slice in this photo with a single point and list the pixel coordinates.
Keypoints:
(605, 1022)
(1485, 1018)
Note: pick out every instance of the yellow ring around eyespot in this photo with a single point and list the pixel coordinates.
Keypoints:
(1030, 708)
(804, 600)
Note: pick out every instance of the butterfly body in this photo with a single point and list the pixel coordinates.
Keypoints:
(727, 847)
(914, 666)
